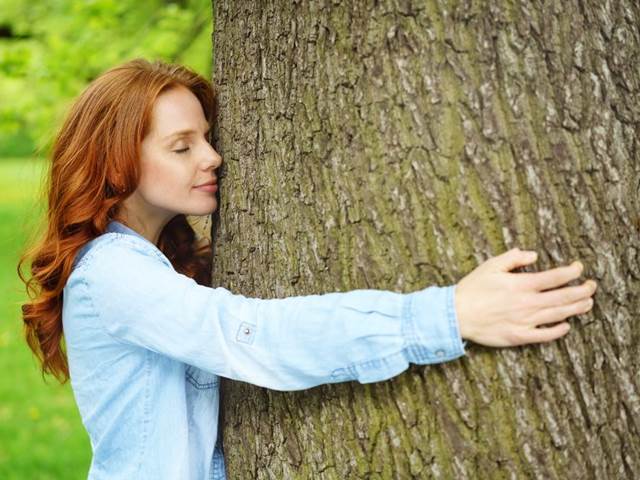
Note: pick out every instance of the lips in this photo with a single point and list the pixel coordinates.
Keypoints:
(210, 182)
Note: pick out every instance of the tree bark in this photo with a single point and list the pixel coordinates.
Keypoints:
(396, 145)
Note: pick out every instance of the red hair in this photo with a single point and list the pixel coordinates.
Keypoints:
(94, 167)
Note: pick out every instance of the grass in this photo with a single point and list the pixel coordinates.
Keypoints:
(41, 435)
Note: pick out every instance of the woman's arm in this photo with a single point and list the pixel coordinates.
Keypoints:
(282, 343)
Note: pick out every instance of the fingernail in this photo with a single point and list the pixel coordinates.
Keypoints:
(580, 266)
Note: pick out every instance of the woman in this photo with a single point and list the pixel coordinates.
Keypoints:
(146, 339)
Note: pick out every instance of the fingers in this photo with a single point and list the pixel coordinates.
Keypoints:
(513, 258)
(552, 278)
(539, 332)
(567, 295)
(547, 334)
(556, 314)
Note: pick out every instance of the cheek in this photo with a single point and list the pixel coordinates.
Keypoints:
(164, 178)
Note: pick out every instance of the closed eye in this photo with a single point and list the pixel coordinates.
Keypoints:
(182, 150)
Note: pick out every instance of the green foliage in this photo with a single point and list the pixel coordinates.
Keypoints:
(50, 50)
(41, 435)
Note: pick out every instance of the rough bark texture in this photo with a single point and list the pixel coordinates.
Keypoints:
(396, 145)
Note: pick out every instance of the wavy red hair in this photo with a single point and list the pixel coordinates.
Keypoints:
(94, 167)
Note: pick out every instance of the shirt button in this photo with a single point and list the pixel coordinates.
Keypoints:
(440, 353)
(247, 331)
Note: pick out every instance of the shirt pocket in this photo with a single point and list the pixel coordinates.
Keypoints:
(199, 379)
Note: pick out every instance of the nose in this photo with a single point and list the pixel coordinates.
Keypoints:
(214, 160)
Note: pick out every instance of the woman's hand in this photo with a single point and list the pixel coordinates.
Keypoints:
(502, 309)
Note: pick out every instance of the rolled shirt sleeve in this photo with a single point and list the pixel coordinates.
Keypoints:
(288, 343)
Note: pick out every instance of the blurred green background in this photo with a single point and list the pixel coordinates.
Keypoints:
(49, 51)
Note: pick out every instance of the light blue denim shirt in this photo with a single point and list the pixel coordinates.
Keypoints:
(147, 345)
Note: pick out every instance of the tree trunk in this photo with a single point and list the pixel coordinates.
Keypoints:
(396, 145)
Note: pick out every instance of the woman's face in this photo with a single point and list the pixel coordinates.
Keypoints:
(175, 158)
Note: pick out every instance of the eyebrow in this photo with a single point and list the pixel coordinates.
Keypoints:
(186, 132)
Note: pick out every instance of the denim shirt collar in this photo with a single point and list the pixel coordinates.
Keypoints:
(116, 226)
(119, 227)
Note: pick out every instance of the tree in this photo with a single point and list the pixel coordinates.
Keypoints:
(396, 145)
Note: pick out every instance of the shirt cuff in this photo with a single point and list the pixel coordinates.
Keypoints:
(430, 326)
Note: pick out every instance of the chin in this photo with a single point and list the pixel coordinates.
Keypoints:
(203, 211)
